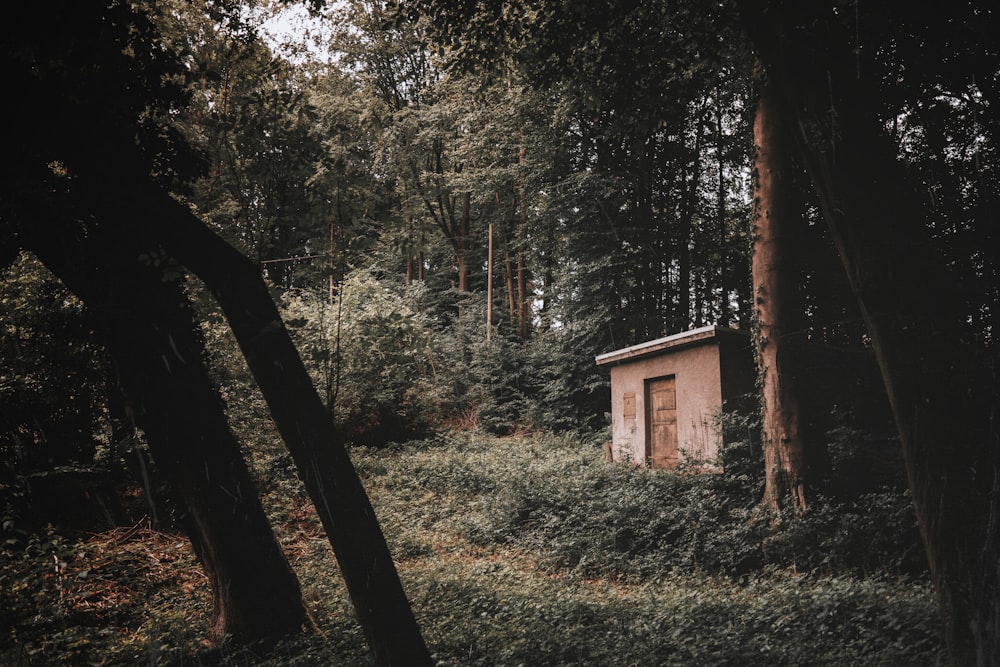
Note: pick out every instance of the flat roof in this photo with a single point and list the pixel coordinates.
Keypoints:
(667, 343)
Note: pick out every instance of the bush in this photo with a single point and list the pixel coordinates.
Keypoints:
(876, 532)
(52, 385)
(615, 521)
(556, 496)
(371, 354)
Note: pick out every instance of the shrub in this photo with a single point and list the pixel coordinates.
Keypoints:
(52, 386)
(877, 532)
(557, 497)
(370, 354)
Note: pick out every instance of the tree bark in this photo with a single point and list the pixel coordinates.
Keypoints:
(157, 350)
(777, 305)
(943, 398)
(523, 309)
(462, 244)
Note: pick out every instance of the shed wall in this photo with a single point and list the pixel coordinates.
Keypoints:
(699, 398)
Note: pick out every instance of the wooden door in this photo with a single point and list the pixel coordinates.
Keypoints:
(661, 402)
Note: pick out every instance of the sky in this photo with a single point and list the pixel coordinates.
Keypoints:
(294, 34)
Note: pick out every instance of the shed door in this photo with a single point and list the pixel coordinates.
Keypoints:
(662, 401)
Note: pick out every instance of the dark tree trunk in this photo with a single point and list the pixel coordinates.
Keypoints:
(303, 422)
(942, 398)
(508, 264)
(521, 236)
(691, 184)
(725, 254)
(523, 309)
(461, 244)
(158, 353)
(778, 304)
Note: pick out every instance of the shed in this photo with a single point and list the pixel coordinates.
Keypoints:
(667, 395)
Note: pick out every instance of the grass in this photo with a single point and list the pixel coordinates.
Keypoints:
(516, 551)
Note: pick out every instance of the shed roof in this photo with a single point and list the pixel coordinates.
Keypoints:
(671, 342)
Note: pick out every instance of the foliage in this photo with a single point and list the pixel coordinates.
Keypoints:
(599, 521)
(103, 597)
(52, 384)
(612, 162)
(484, 596)
(371, 354)
(55, 426)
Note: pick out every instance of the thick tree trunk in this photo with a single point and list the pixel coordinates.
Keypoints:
(777, 305)
(303, 422)
(158, 353)
(943, 401)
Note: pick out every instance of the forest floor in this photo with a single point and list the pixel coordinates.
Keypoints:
(512, 552)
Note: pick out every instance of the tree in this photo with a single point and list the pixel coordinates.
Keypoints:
(941, 392)
(248, 113)
(303, 421)
(150, 331)
(418, 149)
(637, 81)
(84, 188)
(777, 221)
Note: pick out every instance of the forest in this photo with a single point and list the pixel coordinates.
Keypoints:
(300, 302)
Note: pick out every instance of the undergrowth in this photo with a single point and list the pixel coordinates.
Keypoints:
(529, 550)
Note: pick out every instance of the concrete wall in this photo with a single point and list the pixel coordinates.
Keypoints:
(709, 365)
(699, 398)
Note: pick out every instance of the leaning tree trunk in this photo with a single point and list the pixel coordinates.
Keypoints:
(943, 401)
(777, 305)
(159, 357)
(304, 423)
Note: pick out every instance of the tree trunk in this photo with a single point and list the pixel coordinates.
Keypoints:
(304, 424)
(548, 281)
(523, 311)
(691, 183)
(409, 249)
(508, 264)
(778, 303)
(420, 259)
(725, 255)
(523, 276)
(462, 245)
(157, 350)
(942, 396)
